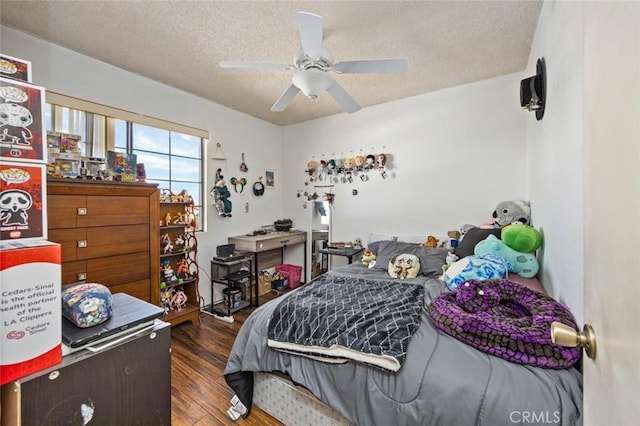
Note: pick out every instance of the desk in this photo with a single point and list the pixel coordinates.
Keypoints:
(347, 252)
(264, 246)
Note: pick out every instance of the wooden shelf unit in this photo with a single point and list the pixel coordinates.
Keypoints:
(188, 252)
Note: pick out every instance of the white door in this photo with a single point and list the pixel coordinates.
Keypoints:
(612, 210)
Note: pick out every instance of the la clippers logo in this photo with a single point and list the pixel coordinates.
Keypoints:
(15, 335)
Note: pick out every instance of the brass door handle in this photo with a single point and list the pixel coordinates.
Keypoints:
(563, 335)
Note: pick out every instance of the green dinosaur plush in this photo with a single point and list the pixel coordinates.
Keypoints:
(521, 238)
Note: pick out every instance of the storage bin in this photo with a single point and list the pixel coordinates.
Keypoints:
(233, 296)
(293, 272)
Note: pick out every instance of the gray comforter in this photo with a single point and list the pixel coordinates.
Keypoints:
(442, 381)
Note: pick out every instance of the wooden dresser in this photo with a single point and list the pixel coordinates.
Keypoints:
(109, 232)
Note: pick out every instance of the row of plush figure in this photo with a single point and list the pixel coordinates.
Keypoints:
(345, 169)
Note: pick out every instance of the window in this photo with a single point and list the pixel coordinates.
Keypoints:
(173, 160)
(172, 154)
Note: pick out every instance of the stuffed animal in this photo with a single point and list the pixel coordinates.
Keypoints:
(522, 238)
(404, 266)
(505, 213)
(475, 267)
(368, 259)
(221, 196)
(454, 239)
(508, 212)
(431, 242)
(524, 264)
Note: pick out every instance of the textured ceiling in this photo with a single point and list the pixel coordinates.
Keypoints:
(179, 43)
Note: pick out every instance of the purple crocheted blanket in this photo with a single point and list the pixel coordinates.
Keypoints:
(505, 319)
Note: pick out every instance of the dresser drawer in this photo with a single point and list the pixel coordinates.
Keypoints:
(280, 241)
(70, 211)
(116, 211)
(62, 210)
(110, 271)
(88, 243)
(139, 289)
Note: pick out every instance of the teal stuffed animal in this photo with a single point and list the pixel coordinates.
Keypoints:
(524, 264)
(522, 238)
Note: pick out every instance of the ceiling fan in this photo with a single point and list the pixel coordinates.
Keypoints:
(313, 63)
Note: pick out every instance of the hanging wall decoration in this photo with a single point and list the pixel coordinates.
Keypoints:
(258, 188)
(243, 165)
(221, 195)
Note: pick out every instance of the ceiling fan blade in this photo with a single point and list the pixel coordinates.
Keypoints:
(284, 99)
(343, 98)
(372, 66)
(310, 27)
(256, 65)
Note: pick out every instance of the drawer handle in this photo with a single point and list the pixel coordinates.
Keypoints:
(82, 276)
(284, 241)
(82, 211)
(82, 243)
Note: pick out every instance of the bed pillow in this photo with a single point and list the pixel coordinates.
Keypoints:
(471, 238)
(375, 246)
(431, 259)
(404, 266)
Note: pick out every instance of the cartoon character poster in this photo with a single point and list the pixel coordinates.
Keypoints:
(21, 121)
(17, 69)
(22, 197)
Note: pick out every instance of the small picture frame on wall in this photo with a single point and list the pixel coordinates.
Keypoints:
(270, 179)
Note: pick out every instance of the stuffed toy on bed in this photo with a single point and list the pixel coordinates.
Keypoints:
(505, 213)
(508, 212)
(524, 264)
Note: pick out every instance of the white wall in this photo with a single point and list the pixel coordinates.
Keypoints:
(63, 71)
(455, 154)
(555, 153)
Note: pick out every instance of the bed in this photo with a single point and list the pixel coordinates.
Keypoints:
(435, 379)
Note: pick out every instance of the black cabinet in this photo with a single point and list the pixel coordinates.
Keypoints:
(128, 383)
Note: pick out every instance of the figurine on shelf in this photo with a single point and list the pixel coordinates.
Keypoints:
(166, 295)
(182, 270)
(190, 217)
(167, 219)
(167, 272)
(178, 300)
(179, 243)
(165, 240)
(165, 195)
(179, 219)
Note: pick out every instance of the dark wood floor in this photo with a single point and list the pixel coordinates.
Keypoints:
(199, 394)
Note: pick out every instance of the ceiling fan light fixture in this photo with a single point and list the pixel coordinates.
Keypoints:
(312, 82)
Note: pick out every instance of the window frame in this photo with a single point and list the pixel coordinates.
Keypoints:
(112, 114)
